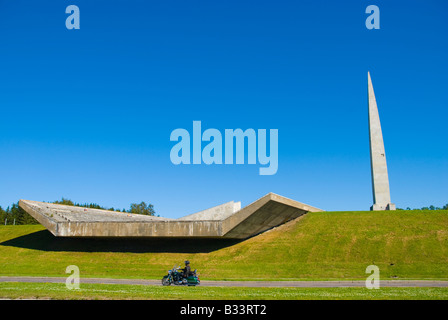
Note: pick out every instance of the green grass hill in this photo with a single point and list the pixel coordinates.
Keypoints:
(325, 245)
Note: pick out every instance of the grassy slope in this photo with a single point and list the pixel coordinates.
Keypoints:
(328, 245)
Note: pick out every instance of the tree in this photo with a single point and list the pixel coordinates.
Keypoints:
(2, 215)
(64, 201)
(69, 202)
(142, 208)
(16, 215)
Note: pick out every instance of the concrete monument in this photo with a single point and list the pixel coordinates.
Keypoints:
(225, 221)
(380, 179)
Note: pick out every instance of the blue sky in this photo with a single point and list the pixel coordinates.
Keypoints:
(87, 114)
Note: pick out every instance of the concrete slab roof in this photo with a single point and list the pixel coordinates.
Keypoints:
(225, 221)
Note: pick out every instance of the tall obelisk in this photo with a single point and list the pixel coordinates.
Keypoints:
(380, 179)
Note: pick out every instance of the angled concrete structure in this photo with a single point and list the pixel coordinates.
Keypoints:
(380, 179)
(216, 213)
(225, 221)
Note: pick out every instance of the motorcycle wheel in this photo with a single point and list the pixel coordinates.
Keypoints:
(166, 282)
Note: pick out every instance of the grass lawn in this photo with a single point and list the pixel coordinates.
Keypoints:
(140, 292)
(325, 245)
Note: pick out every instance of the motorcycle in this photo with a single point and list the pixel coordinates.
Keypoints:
(177, 277)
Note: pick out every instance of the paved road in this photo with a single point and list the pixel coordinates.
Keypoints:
(209, 283)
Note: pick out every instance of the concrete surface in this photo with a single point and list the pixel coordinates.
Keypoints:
(223, 221)
(216, 213)
(380, 179)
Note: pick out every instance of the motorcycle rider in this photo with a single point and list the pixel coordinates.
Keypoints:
(187, 269)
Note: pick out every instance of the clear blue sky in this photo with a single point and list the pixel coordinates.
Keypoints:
(87, 114)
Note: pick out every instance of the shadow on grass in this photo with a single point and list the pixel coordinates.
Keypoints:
(45, 241)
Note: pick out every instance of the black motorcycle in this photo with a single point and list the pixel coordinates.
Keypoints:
(177, 277)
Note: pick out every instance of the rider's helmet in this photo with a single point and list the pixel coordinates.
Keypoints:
(187, 262)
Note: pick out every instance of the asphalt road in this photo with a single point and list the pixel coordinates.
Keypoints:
(210, 283)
